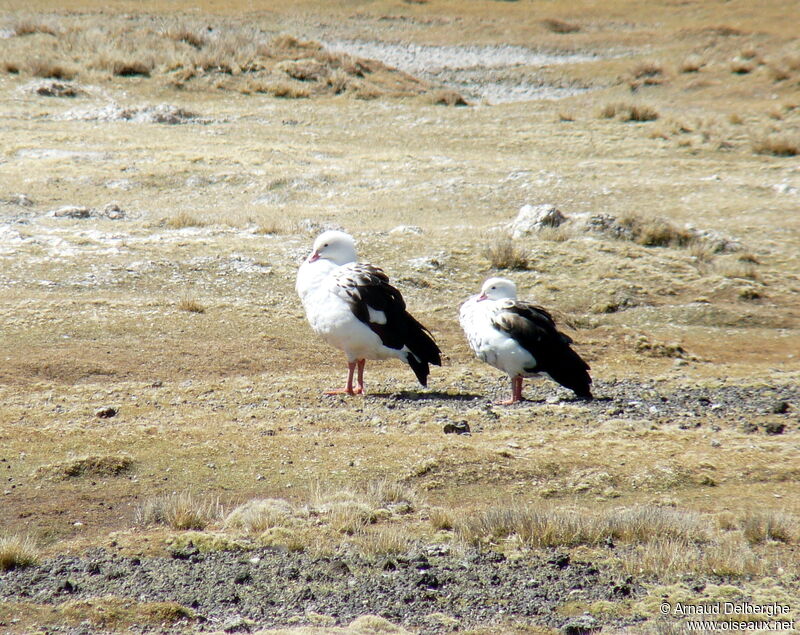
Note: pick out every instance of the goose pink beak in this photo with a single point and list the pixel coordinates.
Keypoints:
(313, 257)
(482, 296)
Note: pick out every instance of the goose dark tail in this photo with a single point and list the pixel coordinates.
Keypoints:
(423, 350)
(573, 373)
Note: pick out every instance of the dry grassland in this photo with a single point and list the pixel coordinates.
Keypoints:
(159, 385)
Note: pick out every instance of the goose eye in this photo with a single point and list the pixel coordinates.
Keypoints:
(325, 245)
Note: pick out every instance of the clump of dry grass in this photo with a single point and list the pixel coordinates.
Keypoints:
(183, 220)
(691, 64)
(12, 68)
(259, 515)
(285, 90)
(760, 527)
(191, 305)
(737, 269)
(447, 98)
(548, 527)
(559, 26)
(441, 519)
(110, 612)
(628, 112)
(656, 232)
(191, 37)
(776, 145)
(647, 69)
(742, 67)
(49, 69)
(350, 510)
(270, 228)
(97, 465)
(32, 27)
(729, 556)
(17, 552)
(384, 541)
(505, 254)
(180, 511)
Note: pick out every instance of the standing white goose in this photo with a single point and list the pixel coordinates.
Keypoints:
(521, 339)
(354, 308)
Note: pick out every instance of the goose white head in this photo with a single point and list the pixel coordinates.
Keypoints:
(498, 289)
(336, 246)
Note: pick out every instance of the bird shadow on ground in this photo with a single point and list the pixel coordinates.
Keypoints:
(433, 395)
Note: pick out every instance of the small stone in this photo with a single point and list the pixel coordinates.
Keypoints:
(112, 211)
(581, 625)
(560, 560)
(107, 412)
(72, 211)
(773, 427)
(749, 428)
(406, 229)
(462, 427)
(715, 443)
(780, 407)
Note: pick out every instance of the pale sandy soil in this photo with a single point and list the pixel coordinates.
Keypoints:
(693, 352)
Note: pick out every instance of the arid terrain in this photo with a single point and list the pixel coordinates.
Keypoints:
(169, 461)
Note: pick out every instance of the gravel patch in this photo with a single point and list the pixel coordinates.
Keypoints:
(272, 588)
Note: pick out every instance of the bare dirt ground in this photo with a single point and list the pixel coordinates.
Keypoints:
(163, 171)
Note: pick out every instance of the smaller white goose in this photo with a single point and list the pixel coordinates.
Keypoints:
(521, 339)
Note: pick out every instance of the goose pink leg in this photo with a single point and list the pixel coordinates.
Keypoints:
(516, 392)
(348, 389)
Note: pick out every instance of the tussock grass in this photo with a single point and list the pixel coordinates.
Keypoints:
(728, 555)
(191, 305)
(384, 541)
(737, 269)
(259, 515)
(742, 67)
(691, 64)
(183, 220)
(447, 98)
(112, 612)
(505, 254)
(656, 232)
(441, 519)
(776, 145)
(192, 37)
(95, 465)
(764, 526)
(350, 510)
(271, 228)
(49, 69)
(180, 511)
(17, 552)
(286, 90)
(32, 27)
(628, 112)
(235, 58)
(559, 26)
(548, 527)
(647, 69)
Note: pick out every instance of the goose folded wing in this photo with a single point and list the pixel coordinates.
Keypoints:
(374, 302)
